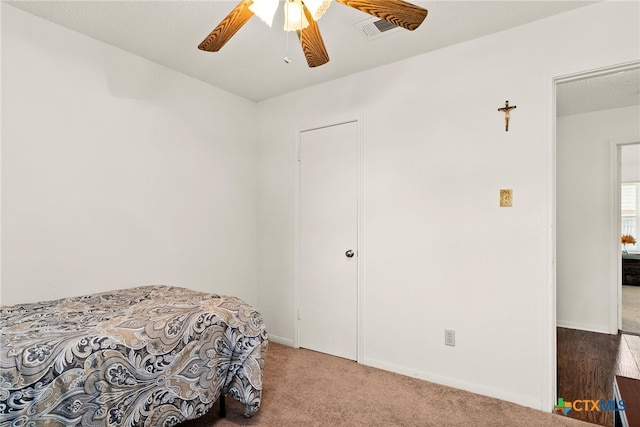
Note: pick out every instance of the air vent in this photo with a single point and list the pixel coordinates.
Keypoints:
(374, 28)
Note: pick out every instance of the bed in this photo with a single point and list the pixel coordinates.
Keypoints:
(146, 356)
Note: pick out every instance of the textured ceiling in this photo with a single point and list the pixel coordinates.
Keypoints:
(614, 90)
(251, 64)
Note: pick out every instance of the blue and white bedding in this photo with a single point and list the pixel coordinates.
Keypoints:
(147, 356)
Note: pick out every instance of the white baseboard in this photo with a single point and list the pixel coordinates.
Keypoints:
(462, 385)
(582, 327)
(280, 340)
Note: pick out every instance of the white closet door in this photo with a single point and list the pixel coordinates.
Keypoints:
(328, 290)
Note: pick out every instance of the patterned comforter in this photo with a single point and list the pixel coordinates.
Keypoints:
(152, 356)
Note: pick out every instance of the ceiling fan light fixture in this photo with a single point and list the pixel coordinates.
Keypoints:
(301, 16)
(317, 8)
(265, 10)
(294, 19)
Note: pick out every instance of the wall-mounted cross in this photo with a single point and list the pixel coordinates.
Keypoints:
(506, 110)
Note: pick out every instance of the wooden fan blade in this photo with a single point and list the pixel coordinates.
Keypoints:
(228, 27)
(398, 12)
(312, 44)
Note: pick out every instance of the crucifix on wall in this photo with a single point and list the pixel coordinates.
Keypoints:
(506, 110)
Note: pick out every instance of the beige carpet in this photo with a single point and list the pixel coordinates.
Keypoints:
(305, 388)
(631, 309)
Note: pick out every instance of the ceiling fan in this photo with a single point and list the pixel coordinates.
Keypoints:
(301, 16)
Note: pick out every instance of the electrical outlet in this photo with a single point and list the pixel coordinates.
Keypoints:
(450, 337)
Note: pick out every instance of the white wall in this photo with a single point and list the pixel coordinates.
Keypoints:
(630, 163)
(584, 213)
(439, 252)
(118, 172)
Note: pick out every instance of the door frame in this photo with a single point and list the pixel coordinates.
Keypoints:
(360, 229)
(615, 230)
(550, 389)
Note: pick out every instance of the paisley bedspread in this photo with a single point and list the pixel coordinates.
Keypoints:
(147, 356)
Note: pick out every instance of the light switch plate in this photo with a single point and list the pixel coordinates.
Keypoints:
(506, 198)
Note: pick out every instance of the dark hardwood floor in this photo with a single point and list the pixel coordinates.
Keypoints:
(587, 364)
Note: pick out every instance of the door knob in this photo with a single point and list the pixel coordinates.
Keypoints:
(349, 253)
